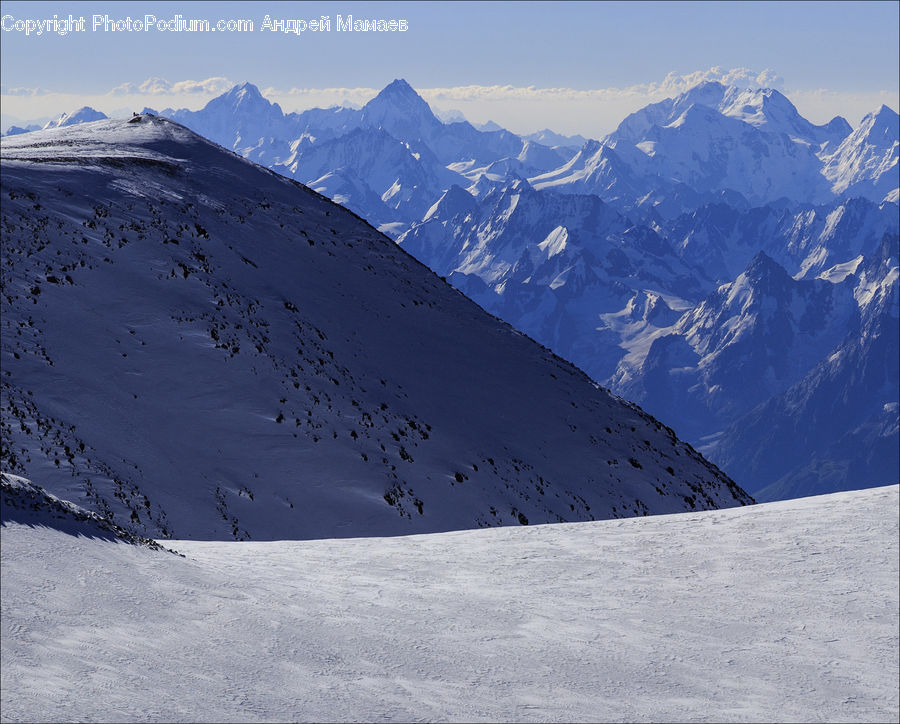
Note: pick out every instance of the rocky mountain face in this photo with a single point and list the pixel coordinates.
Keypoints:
(195, 347)
(838, 424)
(703, 259)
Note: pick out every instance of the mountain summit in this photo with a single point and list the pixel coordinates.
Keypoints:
(401, 112)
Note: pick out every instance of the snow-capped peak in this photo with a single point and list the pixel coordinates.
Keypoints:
(881, 125)
(85, 114)
(866, 162)
(455, 201)
(397, 100)
(245, 95)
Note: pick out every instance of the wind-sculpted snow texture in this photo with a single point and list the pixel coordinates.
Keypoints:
(785, 611)
(196, 347)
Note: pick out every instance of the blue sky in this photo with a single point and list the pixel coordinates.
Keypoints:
(603, 59)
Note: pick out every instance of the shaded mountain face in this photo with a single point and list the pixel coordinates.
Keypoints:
(196, 347)
(765, 326)
(837, 426)
(673, 205)
(550, 264)
(23, 502)
(720, 240)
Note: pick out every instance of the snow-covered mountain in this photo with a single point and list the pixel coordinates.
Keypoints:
(839, 423)
(663, 314)
(403, 179)
(764, 326)
(196, 347)
(28, 128)
(674, 204)
(865, 163)
(85, 114)
(711, 139)
(780, 611)
(347, 146)
(546, 137)
(550, 264)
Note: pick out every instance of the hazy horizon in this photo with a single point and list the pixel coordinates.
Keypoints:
(526, 66)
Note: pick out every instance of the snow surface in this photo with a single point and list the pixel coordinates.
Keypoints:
(778, 612)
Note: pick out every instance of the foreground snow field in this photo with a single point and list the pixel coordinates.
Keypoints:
(783, 611)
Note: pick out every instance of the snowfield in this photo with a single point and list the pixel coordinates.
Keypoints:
(778, 612)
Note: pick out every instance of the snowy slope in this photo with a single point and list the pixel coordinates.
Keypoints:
(200, 348)
(866, 162)
(778, 612)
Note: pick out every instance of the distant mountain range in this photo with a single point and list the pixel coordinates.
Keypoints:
(718, 259)
(196, 347)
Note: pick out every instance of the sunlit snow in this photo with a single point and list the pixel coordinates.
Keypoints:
(778, 612)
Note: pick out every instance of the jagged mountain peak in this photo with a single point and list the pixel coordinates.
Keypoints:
(764, 267)
(244, 90)
(398, 97)
(882, 124)
(886, 112)
(401, 112)
(454, 202)
(866, 161)
(399, 88)
(245, 96)
(839, 125)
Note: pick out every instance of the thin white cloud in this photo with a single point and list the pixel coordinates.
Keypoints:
(673, 84)
(23, 92)
(320, 91)
(160, 86)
